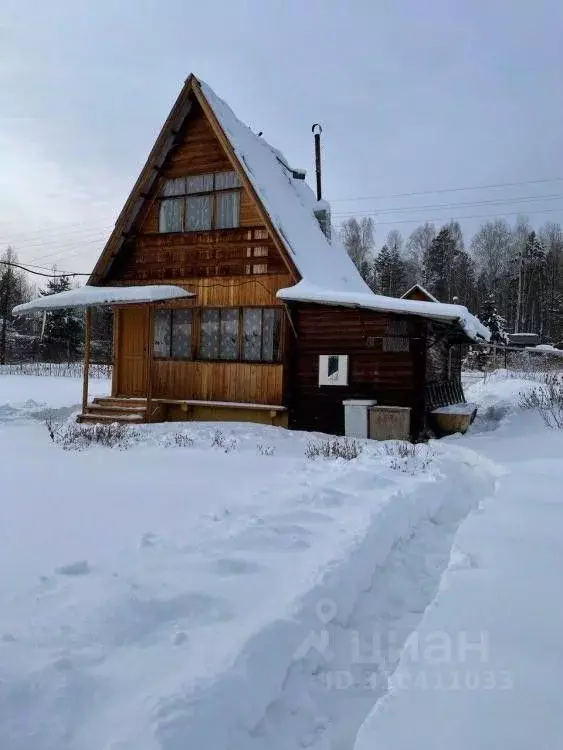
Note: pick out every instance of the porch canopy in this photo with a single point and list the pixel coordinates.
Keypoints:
(99, 296)
(103, 296)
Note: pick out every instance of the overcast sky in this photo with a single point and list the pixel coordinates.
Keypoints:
(413, 95)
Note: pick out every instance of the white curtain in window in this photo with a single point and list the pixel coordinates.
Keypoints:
(198, 213)
(252, 333)
(209, 343)
(162, 333)
(270, 334)
(181, 334)
(228, 209)
(201, 183)
(229, 334)
(225, 180)
(170, 217)
(176, 186)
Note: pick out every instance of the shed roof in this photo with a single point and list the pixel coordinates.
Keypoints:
(422, 290)
(455, 314)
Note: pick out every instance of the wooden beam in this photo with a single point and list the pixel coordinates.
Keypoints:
(87, 334)
(115, 352)
(150, 339)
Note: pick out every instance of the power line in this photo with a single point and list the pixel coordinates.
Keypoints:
(463, 218)
(447, 206)
(446, 190)
(38, 273)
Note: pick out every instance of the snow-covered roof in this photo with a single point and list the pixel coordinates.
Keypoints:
(420, 288)
(290, 204)
(95, 296)
(545, 349)
(327, 272)
(459, 314)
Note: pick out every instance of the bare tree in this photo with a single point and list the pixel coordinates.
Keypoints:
(492, 247)
(358, 238)
(417, 245)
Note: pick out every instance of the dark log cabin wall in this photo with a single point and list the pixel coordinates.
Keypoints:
(238, 267)
(386, 363)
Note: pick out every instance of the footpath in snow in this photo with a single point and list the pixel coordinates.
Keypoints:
(483, 669)
(212, 587)
(209, 590)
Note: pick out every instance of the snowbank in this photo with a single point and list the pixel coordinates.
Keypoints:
(498, 396)
(22, 396)
(483, 668)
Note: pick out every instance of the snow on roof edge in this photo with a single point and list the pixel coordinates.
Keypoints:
(289, 203)
(472, 326)
(97, 296)
(431, 297)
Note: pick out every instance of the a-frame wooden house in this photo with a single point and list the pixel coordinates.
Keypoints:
(279, 327)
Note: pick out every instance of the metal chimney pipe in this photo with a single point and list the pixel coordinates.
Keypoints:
(317, 130)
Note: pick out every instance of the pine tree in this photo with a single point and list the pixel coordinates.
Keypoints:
(389, 271)
(494, 322)
(63, 332)
(14, 290)
(439, 263)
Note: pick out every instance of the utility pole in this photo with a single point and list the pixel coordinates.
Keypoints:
(6, 283)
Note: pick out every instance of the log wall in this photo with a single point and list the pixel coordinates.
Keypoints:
(390, 377)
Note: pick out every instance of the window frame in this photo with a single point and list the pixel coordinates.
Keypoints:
(169, 357)
(196, 335)
(236, 189)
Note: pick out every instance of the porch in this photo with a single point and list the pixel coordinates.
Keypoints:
(140, 410)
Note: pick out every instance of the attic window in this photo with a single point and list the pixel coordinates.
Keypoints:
(200, 202)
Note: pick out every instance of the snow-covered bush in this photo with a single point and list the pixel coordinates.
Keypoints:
(73, 436)
(265, 450)
(219, 440)
(345, 448)
(57, 369)
(547, 400)
(408, 457)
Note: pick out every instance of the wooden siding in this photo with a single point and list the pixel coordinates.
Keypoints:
(149, 255)
(392, 378)
(219, 267)
(218, 381)
(180, 255)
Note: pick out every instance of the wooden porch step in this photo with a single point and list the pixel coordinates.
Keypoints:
(117, 401)
(115, 408)
(104, 417)
(107, 410)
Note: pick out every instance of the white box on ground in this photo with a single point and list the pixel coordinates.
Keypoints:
(356, 417)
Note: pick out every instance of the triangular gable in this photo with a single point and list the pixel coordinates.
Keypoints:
(168, 138)
(418, 292)
(284, 202)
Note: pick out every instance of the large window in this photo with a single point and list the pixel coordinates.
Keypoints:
(247, 334)
(261, 328)
(219, 334)
(173, 334)
(200, 202)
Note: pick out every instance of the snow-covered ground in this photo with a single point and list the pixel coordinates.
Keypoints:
(483, 669)
(211, 586)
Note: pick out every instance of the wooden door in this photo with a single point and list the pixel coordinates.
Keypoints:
(132, 351)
